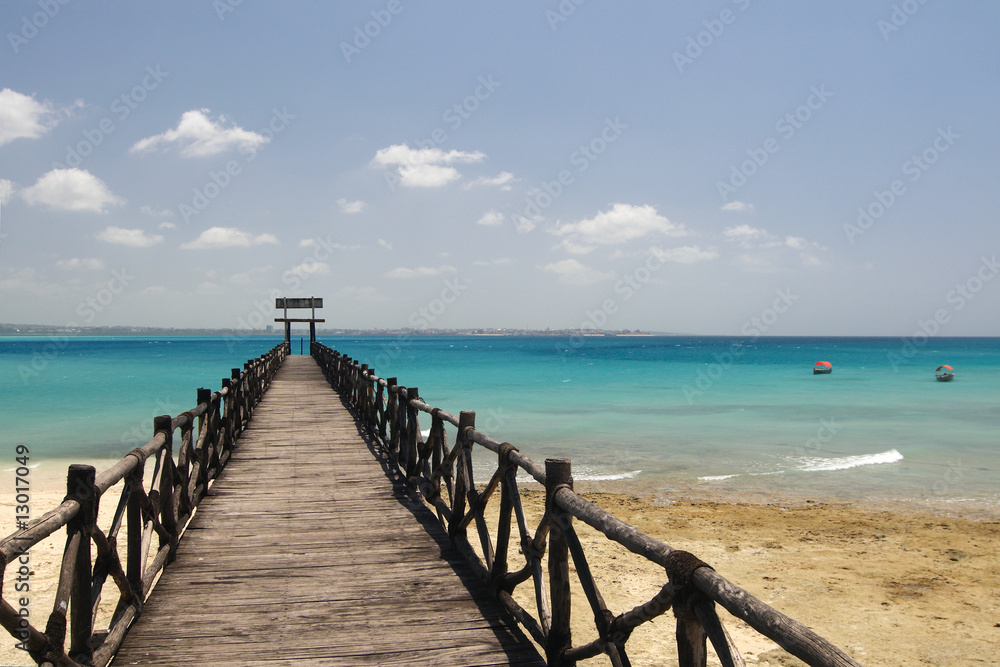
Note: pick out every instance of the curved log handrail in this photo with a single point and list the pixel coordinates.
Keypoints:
(443, 478)
(162, 508)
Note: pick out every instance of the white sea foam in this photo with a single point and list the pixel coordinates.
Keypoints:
(819, 464)
(609, 477)
(823, 464)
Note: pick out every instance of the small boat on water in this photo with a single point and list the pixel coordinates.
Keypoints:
(945, 373)
(822, 368)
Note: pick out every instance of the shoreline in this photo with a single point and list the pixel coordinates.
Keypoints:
(968, 509)
(49, 475)
(878, 583)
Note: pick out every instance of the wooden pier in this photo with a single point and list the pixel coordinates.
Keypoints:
(303, 553)
(303, 516)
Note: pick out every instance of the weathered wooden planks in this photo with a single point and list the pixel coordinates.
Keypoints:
(303, 553)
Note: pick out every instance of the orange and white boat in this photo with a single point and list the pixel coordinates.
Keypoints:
(945, 373)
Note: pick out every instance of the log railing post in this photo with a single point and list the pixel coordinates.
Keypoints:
(347, 378)
(466, 422)
(207, 436)
(412, 432)
(359, 387)
(168, 510)
(250, 389)
(558, 473)
(498, 573)
(80, 487)
(692, 649)
(401, 411)
(238, 396)
(136, 525)
(371, 419)
(217, 434)
(363, 393)
(390, 398)
(228, 423)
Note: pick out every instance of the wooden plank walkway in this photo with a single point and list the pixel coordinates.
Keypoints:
(304, 553)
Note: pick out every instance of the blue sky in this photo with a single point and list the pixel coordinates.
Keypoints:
(716, 168)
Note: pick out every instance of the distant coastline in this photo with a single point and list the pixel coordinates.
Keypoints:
(28, 330)
(49, 330)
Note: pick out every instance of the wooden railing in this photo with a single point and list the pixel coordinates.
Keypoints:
(443, 476)
(162, 508)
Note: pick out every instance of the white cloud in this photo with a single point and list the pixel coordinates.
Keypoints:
(24, 117)
(135, 238)
(812, 261)
(27, 281)
(198, 135)
(350, 206)
(757, 264)
(420, 272)
(210, 289)
(153, 290)
(684, 254)
(227, 237)
(78, 264)
(423, 167)
(401, 154)
(744, 233)
(363, 294)
(755, 237)
(771, 252)
(503, 179)
(309, 268)
(739, 206)
(7, 189)
(499, 261)
(167, 225)
(574, 248)
(246, 277)
(382, 243)
(71, 190)
(313, 243)
(572, 272)
(491, 218)
(149, 210)
(428, 176)
(523, 225)
(623, 222)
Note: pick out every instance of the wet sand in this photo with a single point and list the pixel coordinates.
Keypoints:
(889, 587)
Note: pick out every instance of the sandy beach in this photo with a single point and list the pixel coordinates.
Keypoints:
(890, 588)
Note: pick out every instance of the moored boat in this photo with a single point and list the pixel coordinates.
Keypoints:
(944, 373)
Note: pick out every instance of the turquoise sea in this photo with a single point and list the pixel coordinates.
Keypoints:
(677, 417)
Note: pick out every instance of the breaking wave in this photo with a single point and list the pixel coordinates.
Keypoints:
(820, 464)
(843, 463)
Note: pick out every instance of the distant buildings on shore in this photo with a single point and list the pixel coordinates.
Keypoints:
(46, 330)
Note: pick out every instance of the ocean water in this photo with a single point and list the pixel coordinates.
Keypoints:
(95, 397)
(677, 417)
